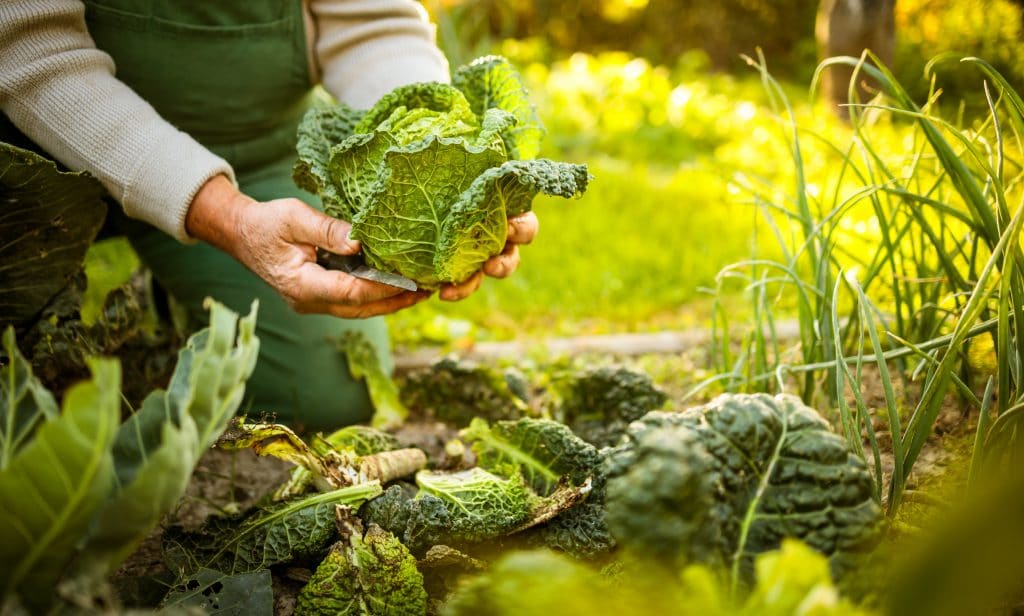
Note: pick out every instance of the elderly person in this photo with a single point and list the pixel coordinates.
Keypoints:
(186, 111)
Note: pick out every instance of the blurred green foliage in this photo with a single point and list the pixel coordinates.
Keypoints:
(662, 31)
(989, 29)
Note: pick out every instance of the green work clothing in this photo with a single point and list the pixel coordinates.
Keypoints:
(234, 75)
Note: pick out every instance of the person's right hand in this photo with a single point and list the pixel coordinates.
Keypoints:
(277, 240)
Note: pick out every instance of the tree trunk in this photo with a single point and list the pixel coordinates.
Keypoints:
(847, 28)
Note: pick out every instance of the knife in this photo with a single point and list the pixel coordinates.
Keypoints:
(355, 265)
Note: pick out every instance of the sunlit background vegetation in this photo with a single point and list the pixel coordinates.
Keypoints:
(677, 129)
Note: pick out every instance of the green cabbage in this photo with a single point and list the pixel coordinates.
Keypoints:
(430, 174)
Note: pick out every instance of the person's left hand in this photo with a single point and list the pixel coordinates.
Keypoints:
(521, 230)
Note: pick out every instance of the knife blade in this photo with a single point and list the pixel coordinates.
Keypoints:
(356, 266)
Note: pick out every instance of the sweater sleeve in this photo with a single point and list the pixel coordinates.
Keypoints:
(366, 48)
(61, 91)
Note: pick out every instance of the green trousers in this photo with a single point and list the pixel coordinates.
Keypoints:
(234, 75)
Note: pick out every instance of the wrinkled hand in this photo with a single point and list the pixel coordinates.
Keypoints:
(521, 230)
(277, 240)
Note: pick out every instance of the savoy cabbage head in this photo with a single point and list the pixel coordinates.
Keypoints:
(429, 175)
(723, 482)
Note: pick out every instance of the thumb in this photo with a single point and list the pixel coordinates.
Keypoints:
(331, 234)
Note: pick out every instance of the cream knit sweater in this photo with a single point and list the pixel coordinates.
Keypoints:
(63, 93)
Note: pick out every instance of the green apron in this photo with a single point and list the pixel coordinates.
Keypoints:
(234, 75)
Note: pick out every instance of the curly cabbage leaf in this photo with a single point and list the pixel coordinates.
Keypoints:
(482, 504)
(322, 127)
(491, 82)
(430, 174)
(371, 575)
(467, 507)
(453, 509)
(658, 507)
(774, 470)
(542, 451)
(212, 592)
(280, 533)
(549, 456)
(360, 440)
(419, 522)
(582, 532)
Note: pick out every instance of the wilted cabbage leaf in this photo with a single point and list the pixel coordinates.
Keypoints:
(369, 574)
(60, 342)
(48, 219)
(327, 467)
(361, 440)
(429, 176)
(265, 536)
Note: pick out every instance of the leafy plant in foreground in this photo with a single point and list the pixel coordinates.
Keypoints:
(792, 579)
(78, 490)
(429, 176)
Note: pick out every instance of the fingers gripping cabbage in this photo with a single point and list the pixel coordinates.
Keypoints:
(429, 176)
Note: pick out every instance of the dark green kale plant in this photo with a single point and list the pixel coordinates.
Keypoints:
(598, 403)
(456, 392)
(723, 482)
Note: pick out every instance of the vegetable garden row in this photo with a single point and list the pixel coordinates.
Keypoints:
(771, 487)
